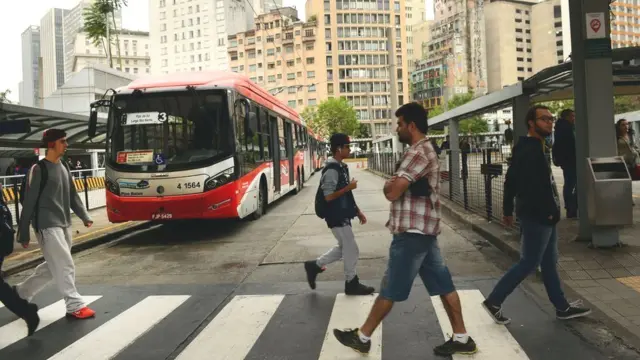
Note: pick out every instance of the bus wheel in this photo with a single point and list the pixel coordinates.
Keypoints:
(299, 186)
(262, 202)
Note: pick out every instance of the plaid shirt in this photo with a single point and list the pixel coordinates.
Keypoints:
(410, 213)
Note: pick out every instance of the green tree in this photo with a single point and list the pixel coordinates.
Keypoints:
(100, 26)
(473, 124)
(621, 104)
(331, 116)
(4, 96)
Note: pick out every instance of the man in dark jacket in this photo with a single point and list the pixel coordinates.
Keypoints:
(341, 208)
(530, 181)
(564, 156)
(8, 295)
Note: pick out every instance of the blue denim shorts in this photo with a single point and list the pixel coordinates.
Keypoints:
(411, 254)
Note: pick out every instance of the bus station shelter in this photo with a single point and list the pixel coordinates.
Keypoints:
(551, 84)
(75, 125)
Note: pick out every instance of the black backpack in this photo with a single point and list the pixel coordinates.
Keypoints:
(321, 203)
(7, 233)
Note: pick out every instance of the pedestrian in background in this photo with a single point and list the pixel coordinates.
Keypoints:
(8, 295)
(530, 181)
(335, 195)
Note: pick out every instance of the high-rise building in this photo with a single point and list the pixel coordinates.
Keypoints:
(30, 89)
(52, 50)
(522, 39)
(191, 36)
(415, 13)
(358, 57)
(282, 55)
(455, 62)
(73, 25)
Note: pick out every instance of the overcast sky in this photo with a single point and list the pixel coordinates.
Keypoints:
(18, 16)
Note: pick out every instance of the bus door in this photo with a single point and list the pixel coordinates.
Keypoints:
(275, 151)
(290, 153)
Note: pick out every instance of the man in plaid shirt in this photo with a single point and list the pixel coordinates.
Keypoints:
(414, 221)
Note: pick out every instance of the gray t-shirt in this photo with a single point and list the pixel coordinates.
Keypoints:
(57, 200)
(329, 180)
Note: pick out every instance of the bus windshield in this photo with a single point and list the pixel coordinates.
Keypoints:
(169, 131)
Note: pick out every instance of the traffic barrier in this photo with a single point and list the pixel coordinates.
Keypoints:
(93, 183)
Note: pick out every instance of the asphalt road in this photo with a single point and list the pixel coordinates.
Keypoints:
(237, 290)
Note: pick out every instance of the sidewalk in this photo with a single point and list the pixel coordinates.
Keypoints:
(101, 231)
(607, 280)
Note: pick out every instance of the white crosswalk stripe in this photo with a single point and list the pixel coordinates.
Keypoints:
(233, 332)
(17, 330)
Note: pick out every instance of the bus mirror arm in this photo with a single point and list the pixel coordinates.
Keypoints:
(93, 115)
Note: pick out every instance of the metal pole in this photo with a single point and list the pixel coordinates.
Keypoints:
(370, 114)
(394, 82)
(593, 92)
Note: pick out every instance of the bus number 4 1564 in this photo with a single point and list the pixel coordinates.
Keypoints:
(189, 185)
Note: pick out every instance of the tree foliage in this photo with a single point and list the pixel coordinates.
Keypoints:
(4, 96)
(331, 116)
(471, 125)
(100, 26)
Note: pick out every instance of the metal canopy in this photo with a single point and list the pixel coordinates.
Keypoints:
(76, 127)
(550, 84)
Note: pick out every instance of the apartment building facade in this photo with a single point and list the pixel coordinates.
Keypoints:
(192, 35)
(358, 57)
(134, 50)
(523, 37)
(281, 55)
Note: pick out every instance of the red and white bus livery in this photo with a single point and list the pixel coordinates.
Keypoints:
(201, 145)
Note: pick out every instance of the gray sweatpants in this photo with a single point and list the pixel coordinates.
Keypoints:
(347, 249)
(58, 266)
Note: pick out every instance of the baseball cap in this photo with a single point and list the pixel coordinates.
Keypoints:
(52, 135)
(339, 139)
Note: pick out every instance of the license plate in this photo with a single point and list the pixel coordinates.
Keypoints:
(161, 216)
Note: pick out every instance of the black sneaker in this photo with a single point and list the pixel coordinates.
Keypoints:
(351, 338)
(574, 311)
(496, 313)
(312, 269)
(354, 287)
(452, 347)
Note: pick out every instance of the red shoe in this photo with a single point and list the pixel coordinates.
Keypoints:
(83, 313)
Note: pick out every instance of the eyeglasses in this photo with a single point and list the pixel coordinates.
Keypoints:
(549, 119)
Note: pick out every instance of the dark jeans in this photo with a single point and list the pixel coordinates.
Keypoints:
(539, 247)
(11, 300)
(569, 191)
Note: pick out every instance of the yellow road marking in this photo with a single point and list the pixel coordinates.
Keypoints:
(20, 255)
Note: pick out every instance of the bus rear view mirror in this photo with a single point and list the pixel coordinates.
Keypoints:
(93, 122)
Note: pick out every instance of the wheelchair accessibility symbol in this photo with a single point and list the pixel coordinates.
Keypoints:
(159, 159)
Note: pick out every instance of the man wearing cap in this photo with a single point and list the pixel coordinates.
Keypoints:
(341, 208)
(49, 214)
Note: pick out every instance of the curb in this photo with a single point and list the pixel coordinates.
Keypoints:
(85, 245)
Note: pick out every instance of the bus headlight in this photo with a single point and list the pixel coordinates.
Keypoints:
(111, 186)
(222, 178)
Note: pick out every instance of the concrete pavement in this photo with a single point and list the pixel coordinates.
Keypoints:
(210, 289)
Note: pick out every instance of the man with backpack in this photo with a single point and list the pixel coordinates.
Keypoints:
(8, 296)
(50, 195)
(336, 204)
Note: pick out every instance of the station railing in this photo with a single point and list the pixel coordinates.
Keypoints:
(89, 183)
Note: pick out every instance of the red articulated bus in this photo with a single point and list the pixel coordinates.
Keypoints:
(202, 145)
